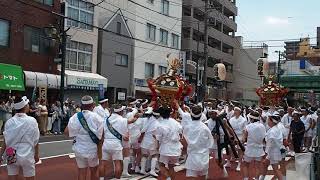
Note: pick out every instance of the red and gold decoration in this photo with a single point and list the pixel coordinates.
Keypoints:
(170, 86)
(271, 94)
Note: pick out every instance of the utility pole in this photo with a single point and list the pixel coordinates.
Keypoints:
(279, 68)
(197, 69)
(205, 50)
(63, 55)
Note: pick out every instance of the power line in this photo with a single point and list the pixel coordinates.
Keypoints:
(277, 40)
(134, 15)
(99, 28)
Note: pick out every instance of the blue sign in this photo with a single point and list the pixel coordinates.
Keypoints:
(101, 91)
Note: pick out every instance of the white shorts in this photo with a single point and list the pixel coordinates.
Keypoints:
(28, 167)
(112, 155)
(126, 144)
(250, 159)
(148, 152)
(273, 161)
(166, 160)
(193, 173)
(87, 162)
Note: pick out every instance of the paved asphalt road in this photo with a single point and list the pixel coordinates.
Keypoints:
(58, 163)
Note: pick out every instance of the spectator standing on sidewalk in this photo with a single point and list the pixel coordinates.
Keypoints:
(43, 117)
(35, 111)
(3, 112)
(58, 116)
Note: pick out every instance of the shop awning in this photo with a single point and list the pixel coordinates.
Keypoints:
(85, 80)
(37, 79)
(11, 77)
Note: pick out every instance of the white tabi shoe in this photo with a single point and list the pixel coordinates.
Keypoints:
(154, 174)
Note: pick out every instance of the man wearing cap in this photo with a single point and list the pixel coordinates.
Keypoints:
(254, 133)
(238, 123)
(199, 140)
(149, 144)
(274, 140)
(86, 127)
(21, 136)
(296, 132)
(308, 124)
(102, 108)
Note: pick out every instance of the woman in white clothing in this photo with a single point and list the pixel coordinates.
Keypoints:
(274, 140)
(254, 133)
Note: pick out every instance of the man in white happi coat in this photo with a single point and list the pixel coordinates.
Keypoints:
(149, 143)
(274, 141)
(308, 124)
(21, 134)
(115, 130)
(102, 108)
(254, 133)
(168, 134)
(287, 118)
(238, 123)
(86, 150)
(199, 140)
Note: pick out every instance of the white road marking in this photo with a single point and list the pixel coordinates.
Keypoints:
(72, 155)
(39, 162)
(52, 142)
(268, 177)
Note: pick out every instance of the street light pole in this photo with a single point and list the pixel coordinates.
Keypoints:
(279, 67)
(63, 56)
(205, 50)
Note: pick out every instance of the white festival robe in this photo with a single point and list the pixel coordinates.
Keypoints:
(84, 147)
(199, 140)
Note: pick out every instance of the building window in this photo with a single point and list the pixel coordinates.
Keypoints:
(150, 1)
(151, 32)
(165, 7)
(79, 56)
(149, 70)
(4, 33)
(122, 59)
(35, 40)
(175, 41)
(81, 11)
(118, 27)
(46, 2)
(162, 70)
(163, 37)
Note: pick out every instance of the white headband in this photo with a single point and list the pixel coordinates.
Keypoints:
(118, 110)
(87, 102)
(24, 101)
(196, 116)
(145, 102)
(103, 100)
(237, 108)
(253, 117)
(134, 102)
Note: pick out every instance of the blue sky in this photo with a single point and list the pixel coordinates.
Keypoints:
(277, 19)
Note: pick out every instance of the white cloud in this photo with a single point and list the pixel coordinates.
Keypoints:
(277, 20)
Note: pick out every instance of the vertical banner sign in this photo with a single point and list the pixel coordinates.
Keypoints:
(121, 96)
(43, 93)
(182, 57)
(101, 91)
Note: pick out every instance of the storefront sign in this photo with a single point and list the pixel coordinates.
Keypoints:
(121, 96)
(43, 93)
(11, 77)
(76, 82)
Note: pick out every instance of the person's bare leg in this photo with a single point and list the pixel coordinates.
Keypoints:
(82, 173)
(94, 173)
(172, 173)
(102, 165)
(117, 169)
(258, 169)
(164, 173)
(276, 171)
(245, 167)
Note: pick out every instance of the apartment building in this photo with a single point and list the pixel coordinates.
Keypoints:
(221, 39)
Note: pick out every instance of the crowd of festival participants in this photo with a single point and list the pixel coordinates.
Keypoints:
(144, 138)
